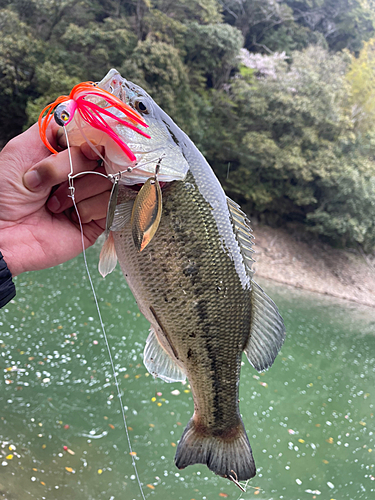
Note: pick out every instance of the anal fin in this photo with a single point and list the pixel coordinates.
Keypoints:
(267, 330)
(159, 363)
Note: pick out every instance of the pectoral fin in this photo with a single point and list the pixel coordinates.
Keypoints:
(108, 256)
(267, 330)
(122, 215)
(159, 363)
(146, 213)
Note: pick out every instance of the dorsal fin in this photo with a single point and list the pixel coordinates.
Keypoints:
(243, 232)
(267, 330)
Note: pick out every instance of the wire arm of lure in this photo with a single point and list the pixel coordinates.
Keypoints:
(120, 174)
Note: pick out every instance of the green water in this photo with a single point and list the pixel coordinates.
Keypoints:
(310, 419)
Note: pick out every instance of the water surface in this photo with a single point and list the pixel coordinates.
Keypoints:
(310, 418)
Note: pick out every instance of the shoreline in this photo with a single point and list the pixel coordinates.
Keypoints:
(313, 266)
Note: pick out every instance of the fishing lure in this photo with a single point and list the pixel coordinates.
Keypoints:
(97, 116)
(146, 213)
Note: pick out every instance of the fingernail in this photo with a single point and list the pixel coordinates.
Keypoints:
(32, 179)
(54, 204)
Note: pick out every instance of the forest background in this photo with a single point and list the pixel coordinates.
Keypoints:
(278, 95)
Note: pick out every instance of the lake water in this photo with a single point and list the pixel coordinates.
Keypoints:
(310, 418)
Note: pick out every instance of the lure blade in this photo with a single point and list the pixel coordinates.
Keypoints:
(111, 208)
(146, 213)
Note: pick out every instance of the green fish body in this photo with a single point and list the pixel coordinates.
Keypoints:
(193, 282)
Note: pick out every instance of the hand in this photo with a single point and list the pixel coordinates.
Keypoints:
(38, 230)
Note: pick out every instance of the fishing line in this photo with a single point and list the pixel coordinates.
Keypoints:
(112, 176)
(72, 189)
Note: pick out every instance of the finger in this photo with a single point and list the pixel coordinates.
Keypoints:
(86, 187)
(93, 230)
(90, 152)
(92, 209)
(55, 169)
(27, 149)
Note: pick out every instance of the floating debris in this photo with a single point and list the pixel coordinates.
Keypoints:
(71, 452)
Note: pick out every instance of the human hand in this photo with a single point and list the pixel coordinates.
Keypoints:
(37, 232)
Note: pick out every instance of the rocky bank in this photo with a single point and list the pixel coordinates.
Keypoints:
(311, 265)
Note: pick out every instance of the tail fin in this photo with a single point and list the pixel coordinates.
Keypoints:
(228, 455)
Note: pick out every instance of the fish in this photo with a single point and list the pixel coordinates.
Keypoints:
(193, 282)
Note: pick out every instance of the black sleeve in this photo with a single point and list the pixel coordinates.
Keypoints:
(7, 288)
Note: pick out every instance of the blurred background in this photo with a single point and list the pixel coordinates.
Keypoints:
(278, 95)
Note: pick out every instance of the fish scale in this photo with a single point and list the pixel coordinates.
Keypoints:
(202, 286)
(193, 281)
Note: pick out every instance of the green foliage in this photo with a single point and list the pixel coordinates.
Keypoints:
(343, 23)
(361, 77)
(19, 53)
(292, 154)
(288, 25)
(287, 124)
(211, 51)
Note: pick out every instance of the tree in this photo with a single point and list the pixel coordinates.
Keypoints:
(291, 153)
(361, 77)
(19, 53)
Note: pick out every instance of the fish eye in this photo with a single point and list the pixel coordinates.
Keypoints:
(141, 106)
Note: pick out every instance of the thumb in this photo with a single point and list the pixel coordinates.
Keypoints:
(55, 169)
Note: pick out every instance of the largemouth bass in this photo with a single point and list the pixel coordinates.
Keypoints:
(194, 284)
